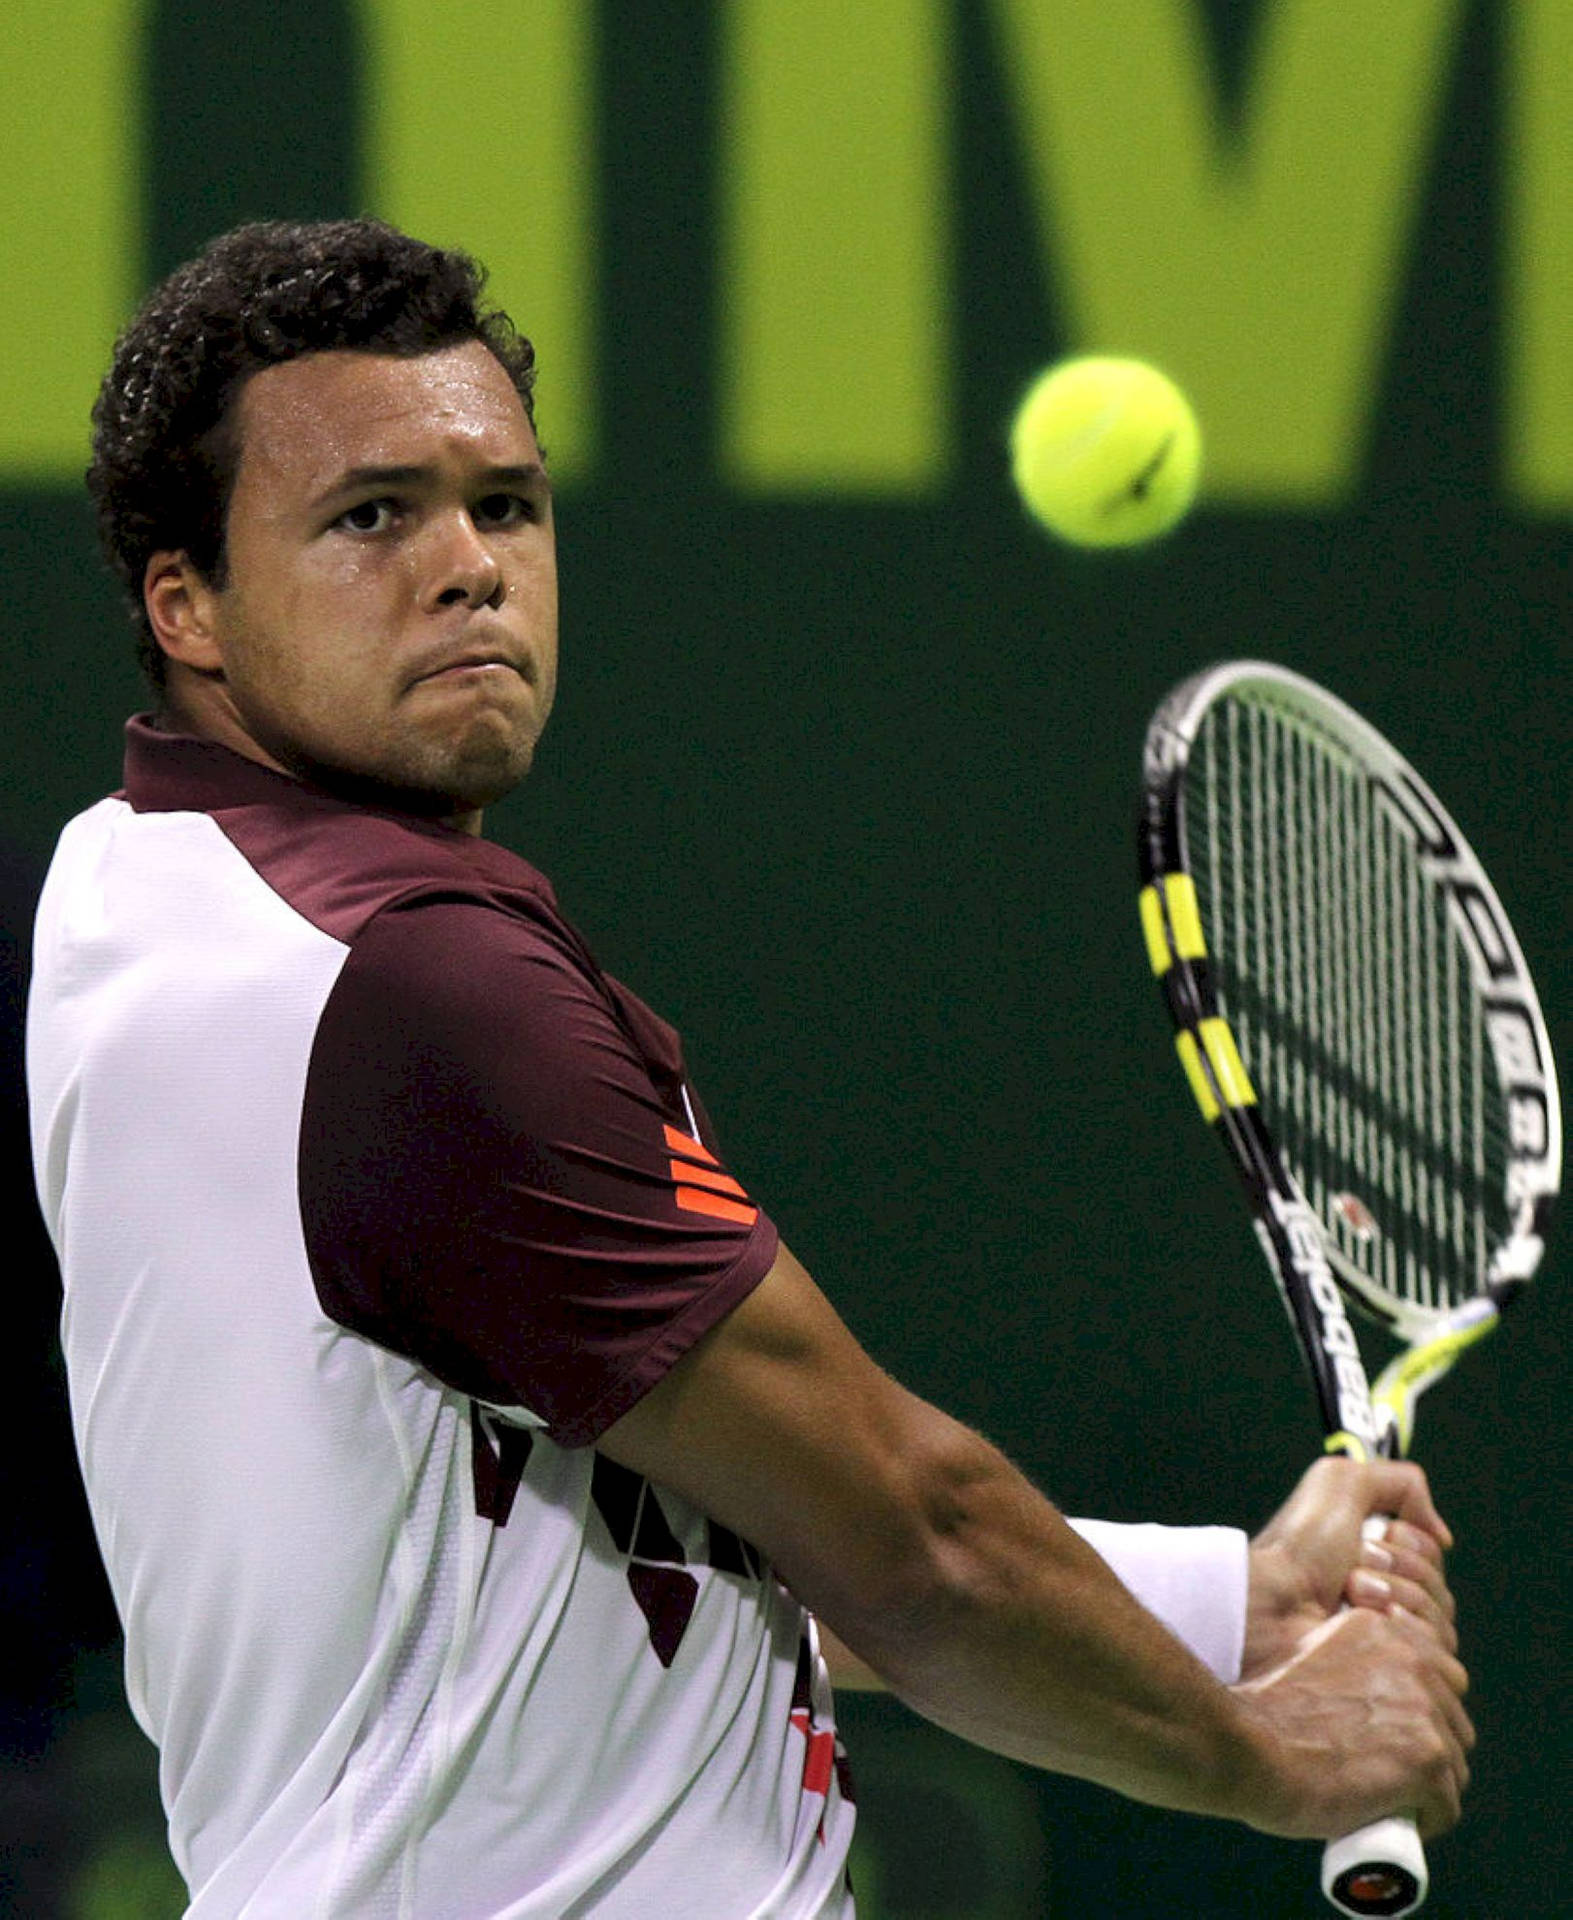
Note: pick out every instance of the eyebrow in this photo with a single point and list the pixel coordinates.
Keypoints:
(354, 479)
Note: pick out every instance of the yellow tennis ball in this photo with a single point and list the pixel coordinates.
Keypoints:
(1105, 452)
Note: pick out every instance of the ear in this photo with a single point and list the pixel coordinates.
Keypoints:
(181, 606)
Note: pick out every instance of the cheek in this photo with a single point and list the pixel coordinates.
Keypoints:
(346, 616)
(313, 649)
(539, 591)
(352, 590)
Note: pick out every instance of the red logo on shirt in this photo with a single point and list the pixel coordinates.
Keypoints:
(701, 1185)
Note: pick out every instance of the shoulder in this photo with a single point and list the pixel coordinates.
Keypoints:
(342, 867)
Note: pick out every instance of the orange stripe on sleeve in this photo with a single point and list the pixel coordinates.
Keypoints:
(712, 1177)
(700, 1200)
(686, 1145)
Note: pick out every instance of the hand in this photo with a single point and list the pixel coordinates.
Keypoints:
(1310, 1559)
(1365, 1718)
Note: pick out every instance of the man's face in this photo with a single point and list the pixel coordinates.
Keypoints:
(389, 611)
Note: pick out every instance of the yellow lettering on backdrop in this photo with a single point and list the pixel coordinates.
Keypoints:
(1539, 252)
(835, 211)
(480, 136)
(71, 158)
(1261, 271)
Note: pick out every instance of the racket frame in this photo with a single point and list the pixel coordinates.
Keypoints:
(1309, 1267)
(1382, 1869)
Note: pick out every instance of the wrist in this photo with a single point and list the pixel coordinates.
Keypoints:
(1280, 1608)
(1253, 1781)
(1195, 1579)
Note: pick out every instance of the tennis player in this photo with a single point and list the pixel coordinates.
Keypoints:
(485, 1489)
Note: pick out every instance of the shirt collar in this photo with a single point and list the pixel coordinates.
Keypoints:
(171, 772)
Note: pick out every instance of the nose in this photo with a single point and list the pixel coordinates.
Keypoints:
(465, 570)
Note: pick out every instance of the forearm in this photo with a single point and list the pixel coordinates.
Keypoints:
(938, 1565)
(1195, 1579)
(1018, 1636)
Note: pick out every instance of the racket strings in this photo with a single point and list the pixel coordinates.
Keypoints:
(1338, 967)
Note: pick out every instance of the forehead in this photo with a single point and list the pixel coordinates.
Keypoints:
(310, 418)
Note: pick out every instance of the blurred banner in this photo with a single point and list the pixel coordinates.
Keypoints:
(842, 776)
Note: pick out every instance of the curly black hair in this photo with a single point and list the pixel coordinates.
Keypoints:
(165, 452)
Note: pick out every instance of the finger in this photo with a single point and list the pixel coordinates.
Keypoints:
(1421, 1570)
(1400, 1488)
(1380, 1591)
(1463, 1728)
(1402, 1536)
(1445, 1785)
(1452, 1676)
(1444, 1777)
(1439, 1783)
(1415, 1578)
(1422, 1605)
(1454, 1715)
(1453, 1774)
(1439, 1810)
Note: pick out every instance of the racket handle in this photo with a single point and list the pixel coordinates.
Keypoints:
(1381, 1869)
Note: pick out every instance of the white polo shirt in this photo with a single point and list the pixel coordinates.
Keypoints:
(377, 1202)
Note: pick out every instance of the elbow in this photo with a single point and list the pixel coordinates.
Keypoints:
(931, 1561)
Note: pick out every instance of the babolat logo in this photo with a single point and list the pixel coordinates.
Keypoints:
(1309, 1260)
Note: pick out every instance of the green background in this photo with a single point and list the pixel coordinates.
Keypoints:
(844, 786)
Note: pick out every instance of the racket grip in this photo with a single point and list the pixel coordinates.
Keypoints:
(1380, 1869)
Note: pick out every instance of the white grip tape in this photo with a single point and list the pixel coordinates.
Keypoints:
(1381, 1869)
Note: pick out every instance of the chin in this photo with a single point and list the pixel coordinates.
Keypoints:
(434, 785)
(484, 772)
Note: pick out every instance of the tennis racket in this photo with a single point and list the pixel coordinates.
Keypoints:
(1356, 1021)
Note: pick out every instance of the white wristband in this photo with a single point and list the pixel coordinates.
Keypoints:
(1195, 1579)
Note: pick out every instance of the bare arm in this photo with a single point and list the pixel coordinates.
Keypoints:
(848, 1674)
(935, 1561)
(1308, 1561)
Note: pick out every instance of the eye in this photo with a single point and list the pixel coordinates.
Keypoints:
(504, 510)
(370, 516)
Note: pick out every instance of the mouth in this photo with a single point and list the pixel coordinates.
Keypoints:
(477, 664)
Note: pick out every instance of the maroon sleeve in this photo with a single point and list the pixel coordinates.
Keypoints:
(494, 1179)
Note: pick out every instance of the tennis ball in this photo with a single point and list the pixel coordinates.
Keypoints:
(1105, 452)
